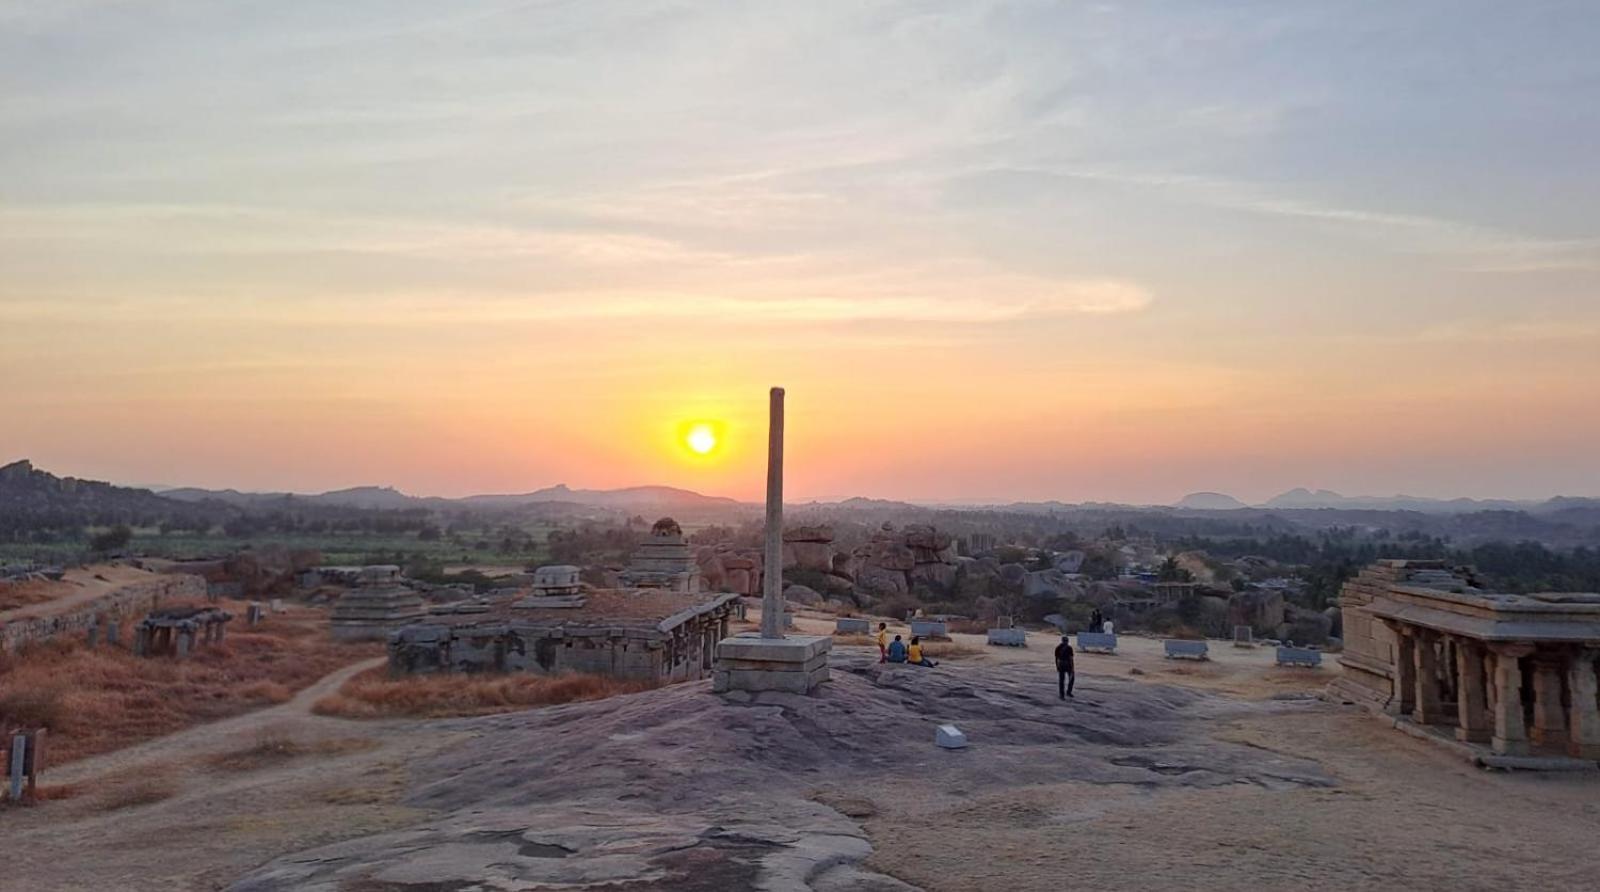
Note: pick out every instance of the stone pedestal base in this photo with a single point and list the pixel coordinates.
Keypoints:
(795, 664)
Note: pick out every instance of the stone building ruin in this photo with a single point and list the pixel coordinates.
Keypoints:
(644, 635)
(663, 561)
(177, 631)
(1508, 679)
(379, 604)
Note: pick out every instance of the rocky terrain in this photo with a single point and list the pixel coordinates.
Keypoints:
(683, 789)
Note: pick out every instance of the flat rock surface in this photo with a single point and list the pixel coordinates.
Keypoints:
(683, 789)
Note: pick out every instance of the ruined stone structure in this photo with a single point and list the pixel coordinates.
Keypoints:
(177, 631)
(646, 635)
(110, 613)
(663, 560)
(556, 580)
(1513, 676)
(377, 606)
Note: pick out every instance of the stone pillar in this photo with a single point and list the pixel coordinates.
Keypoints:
(141, 641)
(1549, 716)
(185, 643)
(222, 631)
(1510, 731)
(1426, 710)
(772, 580)
(113, 632)
(1472, 710)
(1405, 671)
(93, 636)
(1584, 717)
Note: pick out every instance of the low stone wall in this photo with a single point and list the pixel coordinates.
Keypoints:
(122, 604)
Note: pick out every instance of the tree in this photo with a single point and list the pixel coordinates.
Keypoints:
(113, 539)
(1171, 572)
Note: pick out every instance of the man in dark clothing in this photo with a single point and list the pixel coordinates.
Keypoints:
(1065, 676)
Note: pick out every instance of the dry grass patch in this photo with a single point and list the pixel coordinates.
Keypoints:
(949, 650)
(94, 701)
(274, 747)
(374, 694)
(855, 640)
(146, 790)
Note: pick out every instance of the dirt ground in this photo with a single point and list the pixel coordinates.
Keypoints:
(1220, 775)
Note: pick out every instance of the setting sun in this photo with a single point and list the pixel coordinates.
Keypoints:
(701, 439)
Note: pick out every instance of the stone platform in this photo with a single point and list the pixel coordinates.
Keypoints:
(796, 664)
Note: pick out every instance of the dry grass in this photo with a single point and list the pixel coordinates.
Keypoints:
(969, 626)
(146, 790)
(855, 641)
(275, 746)
(375, 695)
(26, 594)
(949, 650)
(94, 701)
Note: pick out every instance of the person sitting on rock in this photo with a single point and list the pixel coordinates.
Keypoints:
(897, 650)
(883, 642)
(917, 658)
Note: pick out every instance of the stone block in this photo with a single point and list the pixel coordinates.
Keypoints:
(1299, 656)
(794, 649)
(950, 737)
(1176, 649)
(1008, 637)
(929, 628)
(852, 626)
(1097, 642)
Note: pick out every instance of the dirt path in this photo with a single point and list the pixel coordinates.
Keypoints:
(207, 738)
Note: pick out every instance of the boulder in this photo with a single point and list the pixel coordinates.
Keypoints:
(820, 533)
(808, 556)
(887, 554)
(1013, 573)
(1261, 610)
(941, 577)
(844, 565)
(924, 536)
(800, 594)
(881, 581)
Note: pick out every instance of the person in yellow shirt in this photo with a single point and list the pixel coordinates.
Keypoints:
(917, 658)
(883, 642)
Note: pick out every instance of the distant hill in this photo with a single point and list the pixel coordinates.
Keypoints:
(628, 498)
(1210, 501)
(29, 496)
(1326, 498)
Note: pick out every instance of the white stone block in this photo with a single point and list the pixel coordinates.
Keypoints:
(950, 737)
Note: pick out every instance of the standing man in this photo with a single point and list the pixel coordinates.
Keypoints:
(1065, 676)
(883, 642)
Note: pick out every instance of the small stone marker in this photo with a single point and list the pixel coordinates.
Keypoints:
(950, 737)
(846, 625)
(1183, 649)
(1008, 637)
(1243, 636)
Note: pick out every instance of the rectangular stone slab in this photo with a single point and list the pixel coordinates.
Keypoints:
(794, 649)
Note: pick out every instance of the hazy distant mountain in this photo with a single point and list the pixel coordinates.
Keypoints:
(1210, 501)
(29, 494)
(631, 498)
(1325, 498)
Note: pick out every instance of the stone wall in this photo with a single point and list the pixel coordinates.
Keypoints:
(679, 648)
(124, 603)
(1369, 644)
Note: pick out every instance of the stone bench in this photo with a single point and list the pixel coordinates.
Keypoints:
(1097, 642)
(851, 626)
(929, 628)
(1299, 656)
(1008, 637)
(1177, 649)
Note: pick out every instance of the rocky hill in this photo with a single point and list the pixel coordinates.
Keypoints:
(31, 499)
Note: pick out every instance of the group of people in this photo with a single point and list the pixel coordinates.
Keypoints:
(897, 651)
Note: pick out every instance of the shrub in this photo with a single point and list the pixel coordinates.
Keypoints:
(32, 707)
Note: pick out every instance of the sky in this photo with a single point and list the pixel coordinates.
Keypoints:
(993, 250)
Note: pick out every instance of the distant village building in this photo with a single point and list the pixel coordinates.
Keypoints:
(647, 635)
(377, 605)
(1511, 676)
(663, 560)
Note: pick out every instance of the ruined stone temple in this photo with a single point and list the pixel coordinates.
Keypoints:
(179, 630)
(1510, 679)
(647, 634)
(379, 604)
(556, 580)
(663, 560)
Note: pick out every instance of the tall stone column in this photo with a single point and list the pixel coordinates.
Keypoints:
(1472, 710)
(1549, 716)
(1427, 710)
(1584, 717)
(1405, 671)
(772, 579)
(1510, 730)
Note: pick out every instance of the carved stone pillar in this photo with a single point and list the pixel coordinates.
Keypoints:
(1510, 731)
(1549, 716)
(1472, 708)
(1426, 710)
(1584, 714)
(1405, 671)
